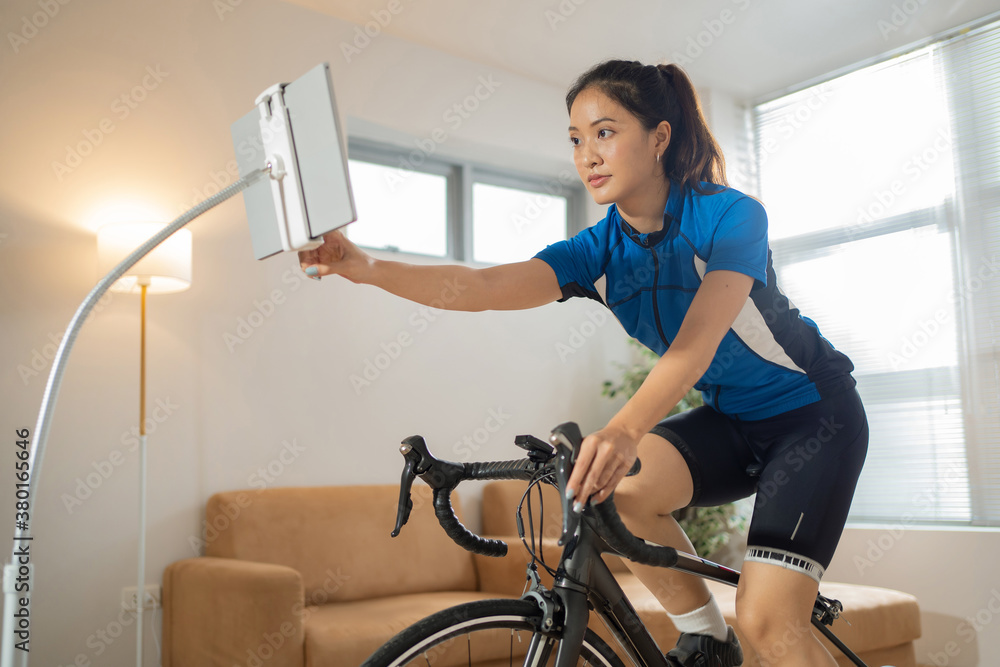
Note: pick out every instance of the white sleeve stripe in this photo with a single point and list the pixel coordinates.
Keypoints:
(601, 285)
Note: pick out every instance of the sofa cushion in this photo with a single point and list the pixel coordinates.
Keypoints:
(879, 618)
(338, 539)
(346, 634)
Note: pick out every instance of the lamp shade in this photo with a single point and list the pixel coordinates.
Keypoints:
(166, 269)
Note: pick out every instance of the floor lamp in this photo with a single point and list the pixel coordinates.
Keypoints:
(166, 269)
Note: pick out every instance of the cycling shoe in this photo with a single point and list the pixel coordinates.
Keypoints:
(706, 651)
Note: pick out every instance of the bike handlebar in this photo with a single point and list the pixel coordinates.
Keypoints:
(443, 476)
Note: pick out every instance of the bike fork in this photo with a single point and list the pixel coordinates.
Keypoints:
(539, 650)
(576, 615)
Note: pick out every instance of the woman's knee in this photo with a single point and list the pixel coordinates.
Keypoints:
(773, 636)
(775, 622)
(753, 617)
(663, 484)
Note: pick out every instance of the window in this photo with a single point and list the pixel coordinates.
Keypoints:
(511, 224)
(399, 209)
(883, 195)
(457, 210)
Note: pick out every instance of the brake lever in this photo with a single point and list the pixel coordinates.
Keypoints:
(413, 450)
(571, 519)
(405, 502)
(567, 439)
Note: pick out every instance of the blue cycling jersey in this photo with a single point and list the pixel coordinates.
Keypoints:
(770, 361)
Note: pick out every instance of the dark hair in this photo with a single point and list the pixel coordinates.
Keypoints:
(654, 93)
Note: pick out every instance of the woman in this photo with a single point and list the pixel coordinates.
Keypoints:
(684, 264)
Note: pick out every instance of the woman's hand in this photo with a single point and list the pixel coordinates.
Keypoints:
(337, 256)
(604, 459)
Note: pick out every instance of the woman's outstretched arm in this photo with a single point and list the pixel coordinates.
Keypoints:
(448, 286)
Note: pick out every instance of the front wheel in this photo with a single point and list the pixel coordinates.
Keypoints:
(488, 633)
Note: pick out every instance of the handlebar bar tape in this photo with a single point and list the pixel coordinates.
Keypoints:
(619, 538)
(462, 536)
(519, 469)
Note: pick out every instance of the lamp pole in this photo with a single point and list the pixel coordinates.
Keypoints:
(141, 587)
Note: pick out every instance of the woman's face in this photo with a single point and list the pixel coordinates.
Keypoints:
(614, 154)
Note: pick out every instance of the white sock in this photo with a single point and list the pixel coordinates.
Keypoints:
(706, 620)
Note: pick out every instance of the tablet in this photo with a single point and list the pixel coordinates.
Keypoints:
(294, 128)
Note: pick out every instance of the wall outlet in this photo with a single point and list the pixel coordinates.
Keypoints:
(151, 597)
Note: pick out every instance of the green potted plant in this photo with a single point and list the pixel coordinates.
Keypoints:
(710, 529)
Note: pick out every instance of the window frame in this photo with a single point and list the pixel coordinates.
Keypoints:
(460, 176)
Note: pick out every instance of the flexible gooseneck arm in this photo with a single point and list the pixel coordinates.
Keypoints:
(19, 569)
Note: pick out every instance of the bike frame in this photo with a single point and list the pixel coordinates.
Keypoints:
(583, 576)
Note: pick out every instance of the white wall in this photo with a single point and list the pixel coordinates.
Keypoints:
(226, 410)
(953, 574)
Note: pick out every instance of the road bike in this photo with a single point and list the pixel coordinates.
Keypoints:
(546, 626)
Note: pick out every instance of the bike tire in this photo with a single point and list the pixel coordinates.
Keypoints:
(437, 640)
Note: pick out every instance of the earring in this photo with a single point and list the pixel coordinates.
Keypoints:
(657, 158)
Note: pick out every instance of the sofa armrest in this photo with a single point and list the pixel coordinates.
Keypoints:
(223, 611)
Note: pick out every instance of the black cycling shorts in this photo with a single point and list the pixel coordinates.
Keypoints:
(803, 464)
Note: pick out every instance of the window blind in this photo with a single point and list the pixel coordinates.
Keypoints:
(883, 194)
(972, 65)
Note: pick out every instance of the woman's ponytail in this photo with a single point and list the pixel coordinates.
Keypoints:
(693, 156)
(656, 93)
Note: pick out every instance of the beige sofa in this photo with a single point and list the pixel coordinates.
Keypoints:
(298, 577)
